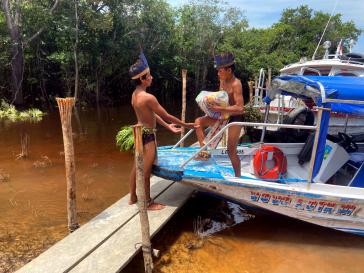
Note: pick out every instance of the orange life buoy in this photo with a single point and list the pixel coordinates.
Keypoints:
(269, 153)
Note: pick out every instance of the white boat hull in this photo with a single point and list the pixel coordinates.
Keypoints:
(337, 212)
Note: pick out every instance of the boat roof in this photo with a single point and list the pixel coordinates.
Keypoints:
(341, 94)
(336, 62)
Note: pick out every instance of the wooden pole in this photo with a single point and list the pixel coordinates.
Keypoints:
(65, 110)
(183, 115)
(269, 77)
(256, 91)
(142, 202)
(250, 83)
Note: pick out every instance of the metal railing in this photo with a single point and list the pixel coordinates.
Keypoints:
(250, 124)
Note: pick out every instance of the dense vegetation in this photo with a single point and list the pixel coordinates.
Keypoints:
(52, 48)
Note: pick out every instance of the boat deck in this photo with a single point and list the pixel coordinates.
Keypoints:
(219, 163)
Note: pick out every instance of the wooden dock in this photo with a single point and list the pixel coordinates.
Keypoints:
(109, 241)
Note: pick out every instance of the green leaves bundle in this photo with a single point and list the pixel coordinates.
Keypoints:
(125, 139)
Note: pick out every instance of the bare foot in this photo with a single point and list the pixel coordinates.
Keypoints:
(132, 200)
(155, 206)
(203, 156)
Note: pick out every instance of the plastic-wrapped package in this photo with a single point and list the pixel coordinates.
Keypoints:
(206, 99)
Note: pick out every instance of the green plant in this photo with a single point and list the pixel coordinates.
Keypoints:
(251, 113)
(9, 112)
(125, 139)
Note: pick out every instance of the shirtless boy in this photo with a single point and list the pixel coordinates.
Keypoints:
(225, 66)
(148, 112)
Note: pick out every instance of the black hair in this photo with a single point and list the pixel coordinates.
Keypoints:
(232, 67)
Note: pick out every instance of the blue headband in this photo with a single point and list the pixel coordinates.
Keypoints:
(140, 68)
(224, 60)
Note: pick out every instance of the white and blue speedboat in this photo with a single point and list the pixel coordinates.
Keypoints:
(320, 181)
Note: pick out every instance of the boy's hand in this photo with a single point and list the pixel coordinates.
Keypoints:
(216, 108)
(190, 125)
(174, 128)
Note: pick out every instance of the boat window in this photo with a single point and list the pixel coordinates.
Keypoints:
(347, 74)
(316, 71)
(310, 73)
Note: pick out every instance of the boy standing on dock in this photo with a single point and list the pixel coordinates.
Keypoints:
(225, 66)
(148, 112)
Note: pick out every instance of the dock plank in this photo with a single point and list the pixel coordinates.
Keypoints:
(121, 247)
(68, 252)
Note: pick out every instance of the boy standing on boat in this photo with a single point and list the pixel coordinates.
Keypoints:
(225, 66)
(148, 112)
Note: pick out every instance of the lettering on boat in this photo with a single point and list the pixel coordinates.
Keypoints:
(225, 151)
(305, 204)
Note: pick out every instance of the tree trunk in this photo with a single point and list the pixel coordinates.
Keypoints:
(13, 22)
(197, 80)
(17, 66)
(75, 51)
(97, 91)
(17, 53)
(204, 76)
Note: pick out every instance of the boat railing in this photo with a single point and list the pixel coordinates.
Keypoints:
(249, 124)
(258, 95)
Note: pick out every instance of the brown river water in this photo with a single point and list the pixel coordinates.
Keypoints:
(33, 208)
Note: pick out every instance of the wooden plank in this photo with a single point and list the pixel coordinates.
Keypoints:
(76, 246)
(119, 249)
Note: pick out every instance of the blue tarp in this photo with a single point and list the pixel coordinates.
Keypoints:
(341, 88)
(336, 87)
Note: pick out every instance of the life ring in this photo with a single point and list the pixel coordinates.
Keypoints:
(269, 153)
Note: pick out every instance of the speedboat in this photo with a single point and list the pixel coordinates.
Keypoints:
(284, 109)
(320, 181)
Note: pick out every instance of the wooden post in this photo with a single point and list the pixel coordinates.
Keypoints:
(256, 91)
(269, 77)
(250, 83)
(183, 115)
(65, 110)
(142, 202)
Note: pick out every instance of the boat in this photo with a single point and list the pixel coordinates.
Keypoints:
(324, 187)
(333, 65)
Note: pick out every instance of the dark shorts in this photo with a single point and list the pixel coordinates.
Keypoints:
(239, 118)
(148, 137)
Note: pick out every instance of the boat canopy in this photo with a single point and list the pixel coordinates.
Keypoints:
(340, 94)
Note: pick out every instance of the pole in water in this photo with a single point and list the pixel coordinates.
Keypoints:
(183, 115)
(65, 110)
(142, 202)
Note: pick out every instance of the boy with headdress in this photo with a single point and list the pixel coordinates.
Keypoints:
(225, 66)
(148, 112)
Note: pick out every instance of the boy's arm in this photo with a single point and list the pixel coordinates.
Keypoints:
(238, 107)
(163, 114)
(172, 127)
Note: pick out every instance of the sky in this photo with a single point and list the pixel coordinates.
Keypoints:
(263, 13)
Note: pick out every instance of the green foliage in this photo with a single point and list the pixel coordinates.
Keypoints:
(251, 113)
(8, 112)
(125, 139)
(111, 32)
